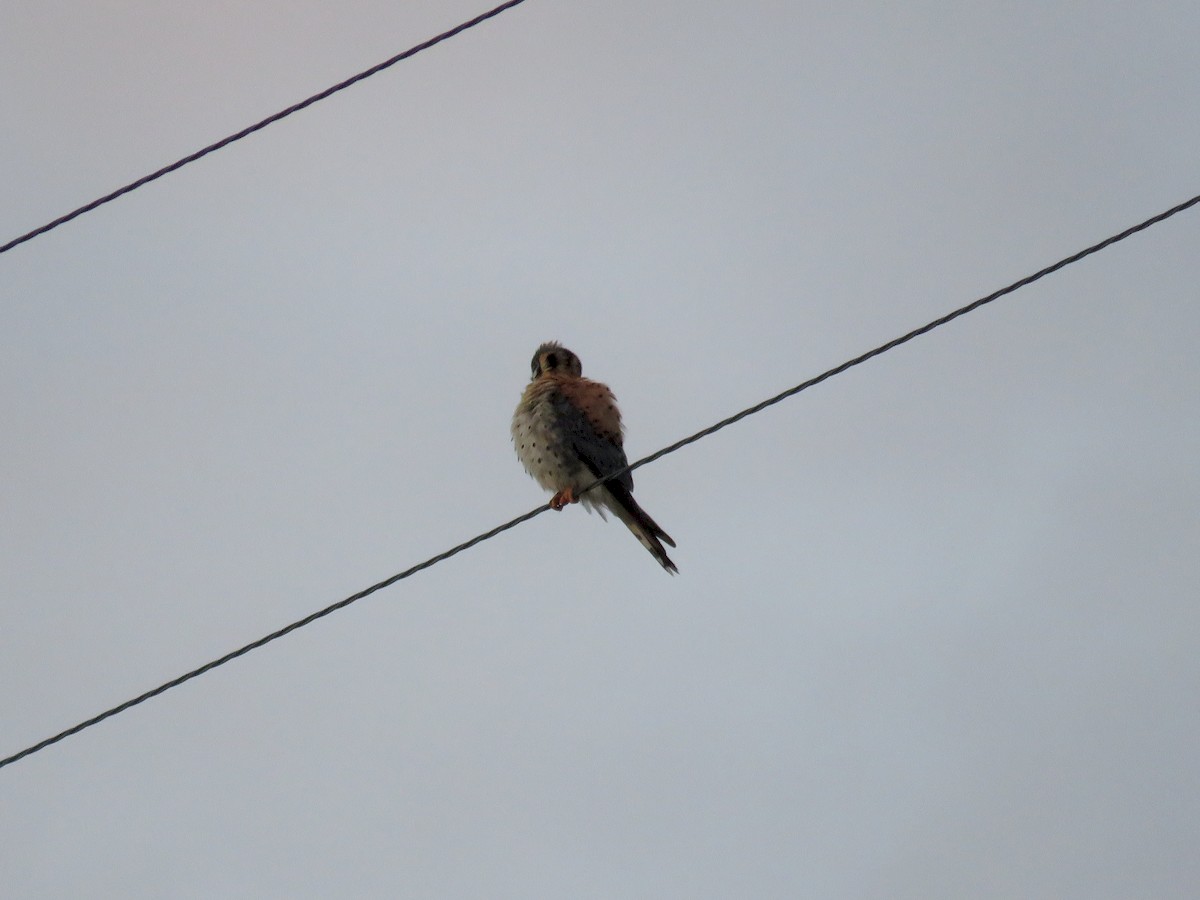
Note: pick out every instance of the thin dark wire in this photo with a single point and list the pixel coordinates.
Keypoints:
(274, 635)
(916, 332)
(487, 535)
(245, 132)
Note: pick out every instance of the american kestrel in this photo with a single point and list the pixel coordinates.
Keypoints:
(567, 431)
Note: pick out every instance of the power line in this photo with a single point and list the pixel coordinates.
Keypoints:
(487, 535)
(916, 332)
(258, 126)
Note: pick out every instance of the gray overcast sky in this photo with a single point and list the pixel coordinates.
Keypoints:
(935, 633)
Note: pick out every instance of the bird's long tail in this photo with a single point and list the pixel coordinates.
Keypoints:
(637, 520)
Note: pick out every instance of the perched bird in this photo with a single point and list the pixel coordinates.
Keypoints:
(567, 431)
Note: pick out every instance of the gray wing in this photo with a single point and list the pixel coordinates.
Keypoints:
(599, 455)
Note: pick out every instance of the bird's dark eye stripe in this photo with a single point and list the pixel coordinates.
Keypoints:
(551, 361)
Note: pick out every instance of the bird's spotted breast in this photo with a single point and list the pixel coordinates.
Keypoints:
(541, 442)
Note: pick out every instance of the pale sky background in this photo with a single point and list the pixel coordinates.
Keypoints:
(936, 632)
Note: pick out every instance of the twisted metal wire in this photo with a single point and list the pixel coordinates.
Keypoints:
(705, 432)
(258, 126)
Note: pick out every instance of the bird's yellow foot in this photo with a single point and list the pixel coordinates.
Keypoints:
(562, 498)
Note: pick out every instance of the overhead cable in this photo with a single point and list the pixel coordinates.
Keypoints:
(258, 126)
(487, 535)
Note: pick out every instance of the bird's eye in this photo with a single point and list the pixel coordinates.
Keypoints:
(551, 361)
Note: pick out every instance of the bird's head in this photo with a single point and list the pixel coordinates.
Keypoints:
(554, 357)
